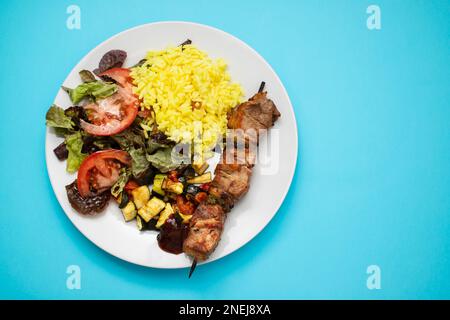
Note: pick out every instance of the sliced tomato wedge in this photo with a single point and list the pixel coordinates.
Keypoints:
(123, 77)
(100, 171)
(120, 75)
(116, 113)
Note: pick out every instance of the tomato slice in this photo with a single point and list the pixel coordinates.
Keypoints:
(123, 77)
(120, 75)
(100, 170)
(116, 113)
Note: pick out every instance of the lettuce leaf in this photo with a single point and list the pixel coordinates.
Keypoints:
(162, 160)
(129, 139)
(95, 89)
(74, 144)
(153, 145)
(86, 76)
(139, 162)
(56, 118)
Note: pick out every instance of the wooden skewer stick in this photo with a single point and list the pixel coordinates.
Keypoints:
(188, 41)
(261, 87)
(194, 264)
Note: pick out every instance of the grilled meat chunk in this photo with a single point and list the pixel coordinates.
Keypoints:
(205, 230)
(257, 113)
(234, 179)
(220, 197)
(242, 156)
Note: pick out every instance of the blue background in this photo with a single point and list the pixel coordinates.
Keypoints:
(372, 181)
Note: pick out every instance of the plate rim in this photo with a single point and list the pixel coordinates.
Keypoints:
(284, 92)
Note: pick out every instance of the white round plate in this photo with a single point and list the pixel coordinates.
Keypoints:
(270, 181)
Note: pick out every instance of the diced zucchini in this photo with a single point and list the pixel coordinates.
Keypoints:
(165, 214)
(119, 198)
(200, 168)
(151, 209)
(185, 217)
(141, 196)
(143, 226)
(157, 184)
(129, 211)
(123, 199)
(139, 223)
(156, 205)
(204, 178)
(171, 186)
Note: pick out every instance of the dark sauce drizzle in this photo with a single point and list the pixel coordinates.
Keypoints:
(172, 235)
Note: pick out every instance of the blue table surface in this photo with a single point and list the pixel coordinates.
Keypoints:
(372, 180)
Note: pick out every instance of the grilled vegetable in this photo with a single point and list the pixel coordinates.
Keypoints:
(129, 211)
(189, 172)
(185, 206)
(200, 168)
(123, 200)
(142, 225)
(204, 178)
(151, 209)
(130, 186)
(157, 184)
(168, 210)
(185, 217)
(171, 186)
(201, 197)
(141, 196)
(173, 175)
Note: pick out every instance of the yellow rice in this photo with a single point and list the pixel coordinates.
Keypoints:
(171, 81)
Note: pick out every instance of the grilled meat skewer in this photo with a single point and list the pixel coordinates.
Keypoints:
(232, 177)
(258, 113)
